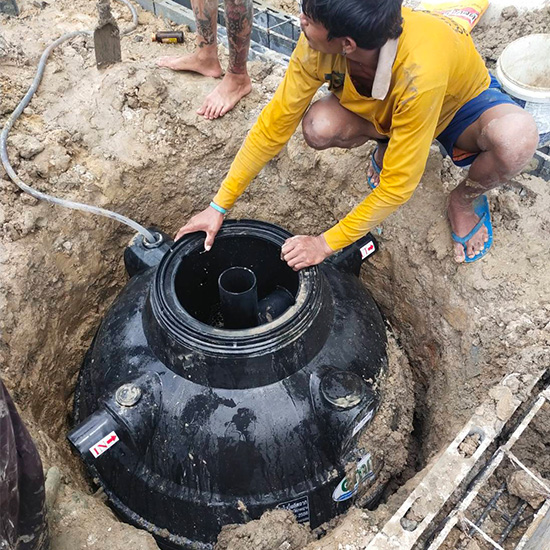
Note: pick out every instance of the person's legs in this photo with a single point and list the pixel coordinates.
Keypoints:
(204, 59)
(236, 82)
(505, 136)
(328, 124)
(22, 496)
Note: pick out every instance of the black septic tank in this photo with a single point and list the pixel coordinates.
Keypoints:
(224, 384)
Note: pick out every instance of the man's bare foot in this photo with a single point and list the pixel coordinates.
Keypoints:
(463, 219)
(225, 95)
(200, 61)
(380, 151)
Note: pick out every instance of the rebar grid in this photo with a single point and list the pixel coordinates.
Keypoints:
(458, 514)
(448, 472)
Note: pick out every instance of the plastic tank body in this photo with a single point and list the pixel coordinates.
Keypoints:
(189, 425)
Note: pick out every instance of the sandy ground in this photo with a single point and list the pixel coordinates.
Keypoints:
(127, 138)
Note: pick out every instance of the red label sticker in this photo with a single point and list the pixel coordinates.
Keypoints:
(367, 250)
(103, 444)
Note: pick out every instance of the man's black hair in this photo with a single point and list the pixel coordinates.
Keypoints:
(371, 23)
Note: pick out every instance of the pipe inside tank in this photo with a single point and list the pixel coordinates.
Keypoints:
(238, 298)
(275, 304)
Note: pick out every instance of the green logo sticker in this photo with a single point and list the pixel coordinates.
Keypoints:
(364, 471)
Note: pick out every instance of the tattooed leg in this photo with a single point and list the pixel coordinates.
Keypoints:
(236, 82)
(204, 59)
(505, 137)
(238, 17)
(206, 17)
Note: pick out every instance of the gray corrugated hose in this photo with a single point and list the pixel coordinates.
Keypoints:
(148, 236)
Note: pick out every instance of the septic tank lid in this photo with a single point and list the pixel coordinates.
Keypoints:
(184, 304)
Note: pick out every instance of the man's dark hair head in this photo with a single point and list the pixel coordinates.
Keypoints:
(371, 23)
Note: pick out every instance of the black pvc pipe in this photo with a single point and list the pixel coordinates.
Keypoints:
(275, 304)
(238, 298)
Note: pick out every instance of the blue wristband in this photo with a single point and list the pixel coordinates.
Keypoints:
(218, 208)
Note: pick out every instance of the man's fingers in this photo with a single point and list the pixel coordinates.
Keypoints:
(190, 227)
(183, 231)
(288, 245)
(297, 256)
(292, 254)
(209, 241)
(286, 249)
(298, 263)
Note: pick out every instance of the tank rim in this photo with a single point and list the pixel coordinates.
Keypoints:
(189, 331)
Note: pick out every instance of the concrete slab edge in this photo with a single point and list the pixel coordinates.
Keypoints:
(451, 468)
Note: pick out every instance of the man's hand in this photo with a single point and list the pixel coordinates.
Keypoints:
(209, 221)
(304, 251)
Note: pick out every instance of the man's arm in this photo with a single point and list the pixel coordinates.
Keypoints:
(412, 132)
(274, 127)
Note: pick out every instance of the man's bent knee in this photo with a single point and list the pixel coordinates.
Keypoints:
(328, 124)
(319, 131)
(513, 138)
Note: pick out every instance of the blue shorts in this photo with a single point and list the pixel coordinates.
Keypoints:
(468, 114)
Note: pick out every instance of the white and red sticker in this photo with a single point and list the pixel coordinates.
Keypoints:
(103, 444)
(367, 250)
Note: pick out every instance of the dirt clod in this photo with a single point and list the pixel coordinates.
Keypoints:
(469, 446)
(509, 12)
(522, 485)
(276, 530)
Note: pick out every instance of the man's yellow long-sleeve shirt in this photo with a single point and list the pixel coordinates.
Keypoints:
(421, 81)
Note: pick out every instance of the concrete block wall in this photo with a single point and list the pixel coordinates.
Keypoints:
(170, 10)
(181, 15)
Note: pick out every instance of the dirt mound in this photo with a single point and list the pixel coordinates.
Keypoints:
(492, 39)
(276, 529)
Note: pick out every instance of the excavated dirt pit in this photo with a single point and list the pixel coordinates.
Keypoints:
(127, 138)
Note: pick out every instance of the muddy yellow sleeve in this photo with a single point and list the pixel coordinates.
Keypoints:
(275, 125)
(412, 132)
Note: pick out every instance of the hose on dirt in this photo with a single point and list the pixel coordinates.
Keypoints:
(149, 237)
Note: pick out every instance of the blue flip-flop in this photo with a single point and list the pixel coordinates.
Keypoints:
(481, 208)
(376, 168)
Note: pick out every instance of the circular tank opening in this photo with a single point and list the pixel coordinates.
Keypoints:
(237, 280)
(198, 275)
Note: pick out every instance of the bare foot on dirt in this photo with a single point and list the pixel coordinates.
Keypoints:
(196, 62)
(225, 95)
(379, 158)
(463, 219)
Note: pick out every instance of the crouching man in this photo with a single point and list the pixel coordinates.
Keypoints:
(402, 78)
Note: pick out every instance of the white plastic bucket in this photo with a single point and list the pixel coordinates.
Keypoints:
(523, 70)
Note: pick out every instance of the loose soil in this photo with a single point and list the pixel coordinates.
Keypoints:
(127, 138)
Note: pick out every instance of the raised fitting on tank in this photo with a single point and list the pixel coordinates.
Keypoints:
(129, 416)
